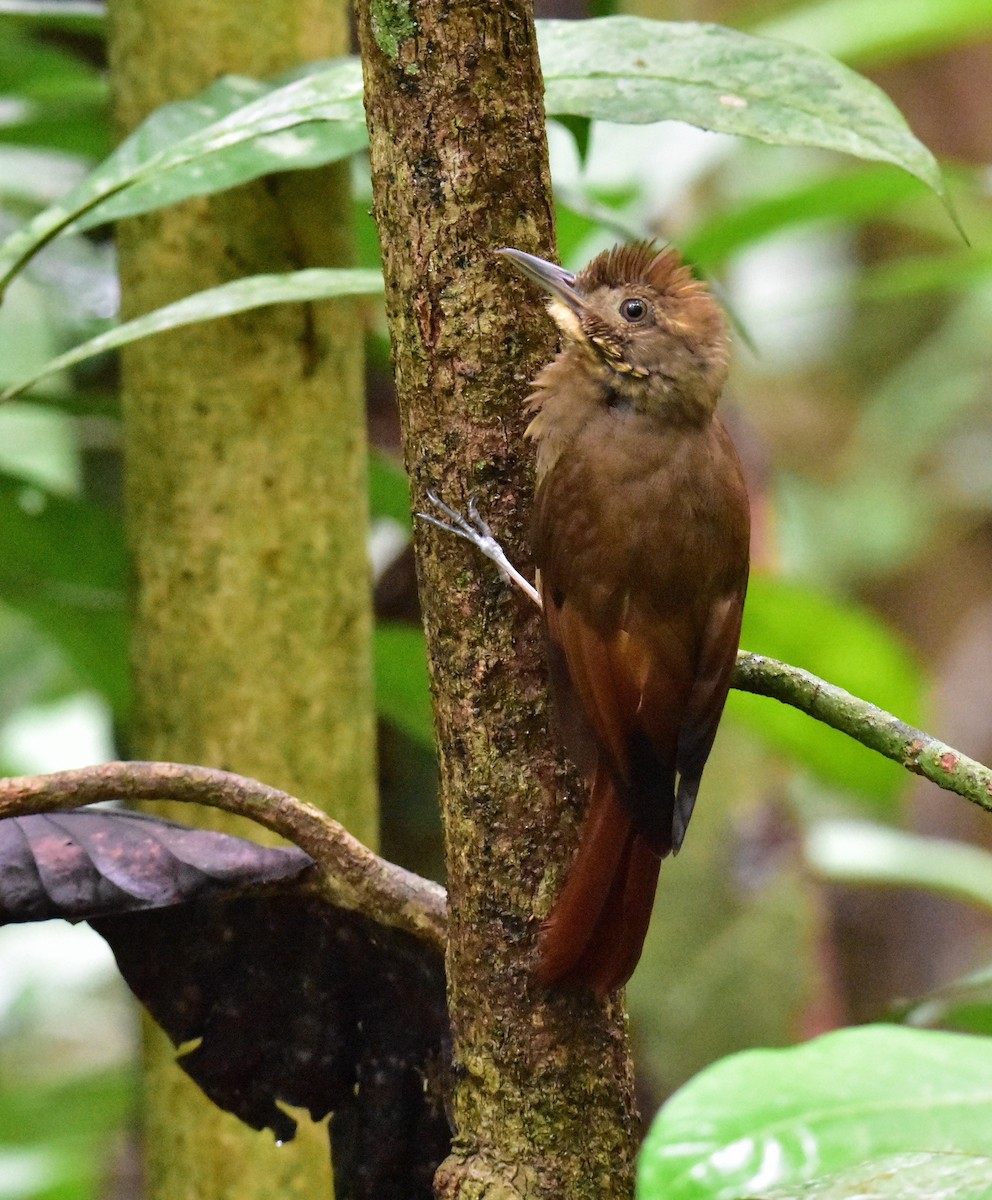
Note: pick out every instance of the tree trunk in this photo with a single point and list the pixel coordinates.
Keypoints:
(246, 508)
(542, 1099)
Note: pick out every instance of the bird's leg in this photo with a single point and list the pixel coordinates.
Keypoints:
(475, 530)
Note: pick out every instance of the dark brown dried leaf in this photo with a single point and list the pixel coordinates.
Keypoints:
(96, 861)
(277, 999)
(286, 999)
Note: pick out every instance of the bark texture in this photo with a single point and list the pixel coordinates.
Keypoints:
(543, 1102)
(246, 495)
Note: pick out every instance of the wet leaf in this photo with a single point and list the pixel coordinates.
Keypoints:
(635, 70)
(781, 1118)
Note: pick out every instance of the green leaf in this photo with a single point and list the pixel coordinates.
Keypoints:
(964, 1005)
(625, 69)
(856, 852)
(51, 98)
(240, 295)
(580, 129)
(634, 70)
(769, 1118)
(853, 649)
(63, 565)
(884, 30)
(389, 489)
(901, 1177)
(845, 196)
(237, 130)
(401, 681)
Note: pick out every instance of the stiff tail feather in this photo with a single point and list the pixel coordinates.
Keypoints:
(594, 935)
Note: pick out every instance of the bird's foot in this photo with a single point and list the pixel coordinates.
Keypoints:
(474, 529)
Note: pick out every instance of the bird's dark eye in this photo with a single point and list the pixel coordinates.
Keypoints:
(633, 310)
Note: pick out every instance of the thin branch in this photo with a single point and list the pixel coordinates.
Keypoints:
(913, 749)
(352, 876)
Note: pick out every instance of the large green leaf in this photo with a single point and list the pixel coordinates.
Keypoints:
(769, 1118)
(62, 564)
(853, 649)
(634, 70)
(884, 29)
(254, 291)
(899, 1177)
(237, 130)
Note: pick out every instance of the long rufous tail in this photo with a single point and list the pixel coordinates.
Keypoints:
(595, 932)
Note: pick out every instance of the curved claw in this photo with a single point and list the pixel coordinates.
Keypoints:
(477, 531)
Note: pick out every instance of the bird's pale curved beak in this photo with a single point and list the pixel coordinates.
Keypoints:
(554, 279)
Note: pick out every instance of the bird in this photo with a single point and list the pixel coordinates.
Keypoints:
(640, 541)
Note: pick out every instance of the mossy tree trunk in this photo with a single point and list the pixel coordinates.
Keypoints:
(542, 1098)
(246, 509)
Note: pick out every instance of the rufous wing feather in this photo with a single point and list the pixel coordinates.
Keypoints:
(705, 705)
(632, 687)
(596, 930)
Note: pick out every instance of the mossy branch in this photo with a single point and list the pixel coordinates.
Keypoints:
(873, 727)
(351, 875)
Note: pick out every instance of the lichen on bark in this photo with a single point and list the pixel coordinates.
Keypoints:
(392, 22)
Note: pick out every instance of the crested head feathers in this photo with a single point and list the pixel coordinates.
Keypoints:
(644, 263)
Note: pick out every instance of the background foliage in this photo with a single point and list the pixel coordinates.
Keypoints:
(860, 401)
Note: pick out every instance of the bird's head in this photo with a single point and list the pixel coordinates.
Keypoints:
(638, 317)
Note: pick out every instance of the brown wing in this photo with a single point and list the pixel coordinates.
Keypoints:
(643, 634)
(594, 935)
(705, 704)
(632, 687)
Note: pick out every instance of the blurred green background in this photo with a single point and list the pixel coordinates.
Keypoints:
(861, 400)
